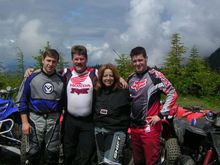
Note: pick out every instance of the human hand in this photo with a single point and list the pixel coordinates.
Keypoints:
(123, 83)
(26, 128)
(153, 119)
(28, 72)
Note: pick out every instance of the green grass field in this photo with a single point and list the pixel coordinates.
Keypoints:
(212, 103)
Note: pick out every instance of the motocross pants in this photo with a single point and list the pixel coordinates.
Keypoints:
(109, 145)
(145, 144)
(45, 130)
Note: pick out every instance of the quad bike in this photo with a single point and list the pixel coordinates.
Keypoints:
(10, 124)
(198, 134)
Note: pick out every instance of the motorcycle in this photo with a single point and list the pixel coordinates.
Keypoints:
(198, 134)
(10, 123)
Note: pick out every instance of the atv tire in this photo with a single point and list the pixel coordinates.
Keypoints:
(23, 159)
(172, 150)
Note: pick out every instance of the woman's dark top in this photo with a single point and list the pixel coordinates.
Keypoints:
(112, 109)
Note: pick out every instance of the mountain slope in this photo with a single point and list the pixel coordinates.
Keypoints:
(214, 60)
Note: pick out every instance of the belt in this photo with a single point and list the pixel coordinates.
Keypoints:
(83, 118)
(132, 125)
(45, 115)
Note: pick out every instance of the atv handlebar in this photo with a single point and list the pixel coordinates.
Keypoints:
(8, 92)
(11, 124)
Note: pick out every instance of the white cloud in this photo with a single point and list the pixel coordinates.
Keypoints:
(99, 55)
(101, 27)
(151, 24)
(32, 37)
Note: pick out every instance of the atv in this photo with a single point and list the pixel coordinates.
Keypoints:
(198, 134)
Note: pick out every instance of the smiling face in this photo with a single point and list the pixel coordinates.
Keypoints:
(108, 78)
(139, 63)
(79, 63)
(49, 64)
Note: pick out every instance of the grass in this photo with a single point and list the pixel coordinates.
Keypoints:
(212, 103)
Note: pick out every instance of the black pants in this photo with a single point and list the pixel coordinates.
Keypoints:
(79, 142)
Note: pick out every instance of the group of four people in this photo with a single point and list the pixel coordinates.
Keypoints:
(98, 110)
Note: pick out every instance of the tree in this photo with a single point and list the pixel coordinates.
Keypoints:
(124, 65)
(38, 58)
(204, 81)
(62, 63)
(1, 68)
(194, 67)
(173, 61)
(173, 66)
(20, 63)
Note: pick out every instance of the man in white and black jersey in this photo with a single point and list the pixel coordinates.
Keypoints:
(79, 143)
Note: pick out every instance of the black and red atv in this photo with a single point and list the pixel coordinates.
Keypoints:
(198, 133)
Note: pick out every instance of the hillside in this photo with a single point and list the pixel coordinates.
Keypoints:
(214, 60)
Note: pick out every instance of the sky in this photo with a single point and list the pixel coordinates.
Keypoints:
(101, 26)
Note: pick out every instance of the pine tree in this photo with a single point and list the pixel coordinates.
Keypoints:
(173, 61)
(199, 80)
(173, 66)
(38, 58)
(1, 67)
(20, 63)
(62, 63)
(194, 66)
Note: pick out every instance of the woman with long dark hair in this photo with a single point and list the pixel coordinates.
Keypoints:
(111, 116)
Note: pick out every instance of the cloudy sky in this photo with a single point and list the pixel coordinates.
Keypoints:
(103, 25)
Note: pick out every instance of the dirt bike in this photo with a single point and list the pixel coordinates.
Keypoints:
(10, 123)
(198, 134)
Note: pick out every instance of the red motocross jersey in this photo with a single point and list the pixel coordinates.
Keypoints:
(145, 90)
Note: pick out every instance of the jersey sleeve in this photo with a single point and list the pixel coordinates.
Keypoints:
(171, 95)
(24, 98)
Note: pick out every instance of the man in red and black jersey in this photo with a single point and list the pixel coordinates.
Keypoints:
(146, 86)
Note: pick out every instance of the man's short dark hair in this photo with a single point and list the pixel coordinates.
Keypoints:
(80, 50)
(51, 53)
(138, 50)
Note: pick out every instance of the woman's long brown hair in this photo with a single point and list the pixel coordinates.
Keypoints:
(101, 71)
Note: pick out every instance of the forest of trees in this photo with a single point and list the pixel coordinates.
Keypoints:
(191, 76)
(14, 79)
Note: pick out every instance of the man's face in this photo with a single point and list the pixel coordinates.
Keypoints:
(49, 64)
(139, 63)
(79, 63)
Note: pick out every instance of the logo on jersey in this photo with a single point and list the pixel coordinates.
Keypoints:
(48, 88)
(77, 85)
(79, 79)
(137, 85)
(79, 91)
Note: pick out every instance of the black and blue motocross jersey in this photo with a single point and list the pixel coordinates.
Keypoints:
(42, 93)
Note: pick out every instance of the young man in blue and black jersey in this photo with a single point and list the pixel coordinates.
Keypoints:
(41, 104)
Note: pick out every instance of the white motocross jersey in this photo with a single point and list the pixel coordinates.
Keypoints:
(80, 93)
